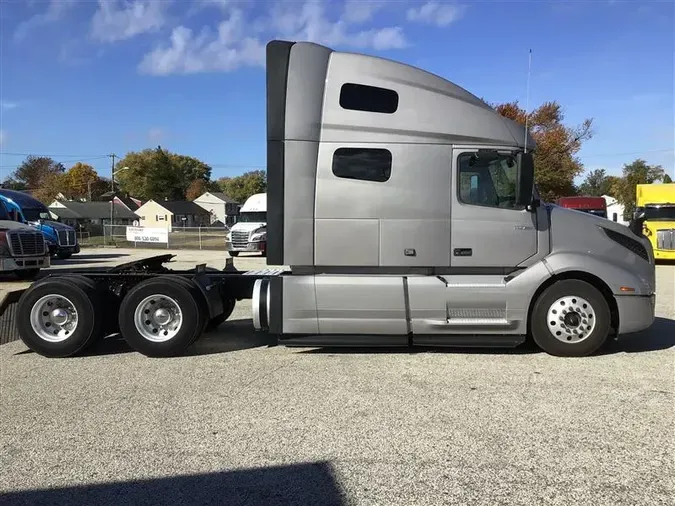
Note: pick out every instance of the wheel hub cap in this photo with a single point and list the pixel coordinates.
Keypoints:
(53, 318)
(158, 318)
(571, 319)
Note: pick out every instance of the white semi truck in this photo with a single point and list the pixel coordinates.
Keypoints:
(249, 233)
(406, 211)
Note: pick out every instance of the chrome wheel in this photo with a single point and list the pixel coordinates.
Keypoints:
(571, 319)
(53, 318)
(158, 318)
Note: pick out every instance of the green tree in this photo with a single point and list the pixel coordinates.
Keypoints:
(597, 184)
(242, 187)
(12, 184)
(555, 161)
(635, 173)
(667, 179)
(159, 174)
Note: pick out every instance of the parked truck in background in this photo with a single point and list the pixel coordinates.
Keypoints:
(655, 208)
(405, 210)
(591, 205)
(61, 239)
(249, 233)
(22, 248)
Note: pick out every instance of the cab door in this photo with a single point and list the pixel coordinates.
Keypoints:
(488, 228)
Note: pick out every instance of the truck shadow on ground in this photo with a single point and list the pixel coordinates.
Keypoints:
(238, 335)
(90, 256)
(307, 484)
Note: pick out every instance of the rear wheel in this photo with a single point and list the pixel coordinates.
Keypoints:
(58, 317)
(571, 318)
(161, 317)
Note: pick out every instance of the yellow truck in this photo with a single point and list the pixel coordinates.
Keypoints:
(655, 204)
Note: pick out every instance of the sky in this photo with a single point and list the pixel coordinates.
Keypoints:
(83, 79)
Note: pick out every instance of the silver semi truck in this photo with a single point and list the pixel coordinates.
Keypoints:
(406, 211)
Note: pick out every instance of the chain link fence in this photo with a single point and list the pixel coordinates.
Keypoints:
(197, 238)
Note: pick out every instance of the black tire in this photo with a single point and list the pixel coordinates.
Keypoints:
(27, 274)
(233, 253)
(106, 308)
(191, 310)
(228, 307)
(199, 297)
(85, 301)
(63, 256)
(570, 340)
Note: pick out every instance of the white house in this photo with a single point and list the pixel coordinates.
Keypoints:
(222, 208)
(614, 210)
(172, 214)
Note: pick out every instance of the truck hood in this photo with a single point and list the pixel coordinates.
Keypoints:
(14, 225)
(53, 224)
(246, 227)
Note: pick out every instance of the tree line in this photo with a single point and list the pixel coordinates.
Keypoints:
(156, 174)
(160, 174)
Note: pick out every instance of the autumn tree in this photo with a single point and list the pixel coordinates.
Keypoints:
(82, 181)
(242, 187)
(196, 188)
(635, 173)
(159, 174)
(555, 161)
(41, 175)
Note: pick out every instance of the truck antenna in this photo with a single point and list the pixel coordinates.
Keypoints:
(527, 96)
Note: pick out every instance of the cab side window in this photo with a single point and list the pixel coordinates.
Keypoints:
(488, 182)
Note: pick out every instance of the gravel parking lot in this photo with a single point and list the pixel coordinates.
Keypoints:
(240, 422)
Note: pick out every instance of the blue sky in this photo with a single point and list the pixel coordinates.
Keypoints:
(80, 79)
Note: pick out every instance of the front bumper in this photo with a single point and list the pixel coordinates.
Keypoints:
(664, 254)
(11, 264)
(251, 246)
(636, 312)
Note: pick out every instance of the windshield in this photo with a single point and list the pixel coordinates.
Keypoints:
(3, 212)
(34, 214)
(253, 217)
(665, 213)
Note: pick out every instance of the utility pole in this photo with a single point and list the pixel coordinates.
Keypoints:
(89, 190)
(112, 197)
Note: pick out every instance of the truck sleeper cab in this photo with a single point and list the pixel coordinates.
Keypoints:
(405, 210)
(593, 205)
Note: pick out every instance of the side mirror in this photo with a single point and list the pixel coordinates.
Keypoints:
(637, 222)
(525, 188)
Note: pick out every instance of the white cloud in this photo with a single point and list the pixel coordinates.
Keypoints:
(190, 53)
(115, 20)
(3, 137)
(238, 41)
(435, 13)
(56, 9)
(6, 105)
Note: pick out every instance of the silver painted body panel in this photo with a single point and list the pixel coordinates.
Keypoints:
(382, 233)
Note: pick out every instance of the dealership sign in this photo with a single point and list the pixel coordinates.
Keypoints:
(142, 234)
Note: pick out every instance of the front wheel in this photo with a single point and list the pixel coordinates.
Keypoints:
(63, 255)
(233, 253)
(571, 318)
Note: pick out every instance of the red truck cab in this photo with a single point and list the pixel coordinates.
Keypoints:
(591, 205)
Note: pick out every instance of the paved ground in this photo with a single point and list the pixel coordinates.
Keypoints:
(238, 422)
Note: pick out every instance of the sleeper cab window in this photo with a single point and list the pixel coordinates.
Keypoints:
(361, 97)
(363, 164)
